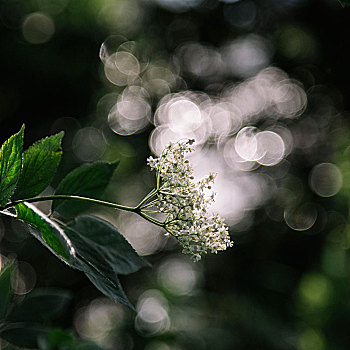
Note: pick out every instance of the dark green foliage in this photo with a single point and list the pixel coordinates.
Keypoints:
(62, 340)
(10, 165)
(5, 289)
(93, 237)
(106, 253)
(62, 78)
(22, 324)
(57, 339)
(50, 233)
(40, 305)
(93, 245)
(24, 335)
(344, 2)
(110, 288)
(89, 180)
(100, 273)
(40, 162)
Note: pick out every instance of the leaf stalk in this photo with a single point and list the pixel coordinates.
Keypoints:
(137, 209)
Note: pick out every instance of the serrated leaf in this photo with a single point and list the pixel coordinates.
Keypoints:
(5, 288)
(40, 162)
(110, 288)
(10, 165)
(24, 336)
(46, 231)
(98, 265)
(95, 255)
(40, 305)
(89, 180)
(101, 244)
(39, 226)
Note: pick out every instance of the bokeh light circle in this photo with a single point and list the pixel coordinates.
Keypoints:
(325, 179)
(38, 28)
(152, 313)
(246, 144)
(24, 278)
(270, 148)
(301, 218)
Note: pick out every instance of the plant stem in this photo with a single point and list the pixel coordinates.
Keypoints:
(136, 209)
(150, 195)
(151, 211)
(150, 219)
(150, 204)
(70, 197)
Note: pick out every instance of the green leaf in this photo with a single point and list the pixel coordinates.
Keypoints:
(102, 252)
(24, 336)
(101, 244)
(57, 339)
(89, 180)
(46, 231)
(40, 162)
(110, 288)
(54, 238)
(40, 305)
(344, 2)
(5, 288)
(10, 165)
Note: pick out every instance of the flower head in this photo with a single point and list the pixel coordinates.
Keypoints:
(186, 202)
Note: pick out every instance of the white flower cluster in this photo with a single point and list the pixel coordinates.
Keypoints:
(185, 203)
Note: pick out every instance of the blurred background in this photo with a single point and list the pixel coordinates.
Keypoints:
(262, 86)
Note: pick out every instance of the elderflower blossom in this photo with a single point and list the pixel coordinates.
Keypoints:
(186, 202)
